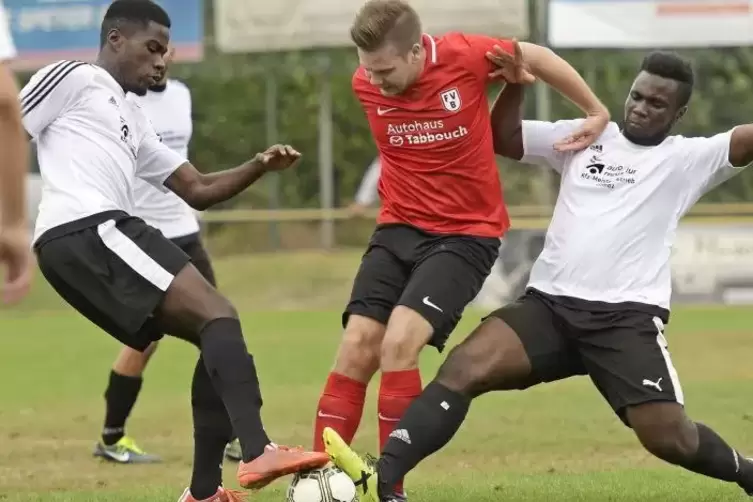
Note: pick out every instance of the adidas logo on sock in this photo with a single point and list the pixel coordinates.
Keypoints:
(402, 435)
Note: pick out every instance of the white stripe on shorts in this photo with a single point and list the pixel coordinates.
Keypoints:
(135, 257)
(673, 376)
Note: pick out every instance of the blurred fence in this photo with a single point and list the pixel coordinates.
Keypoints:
(233, 231)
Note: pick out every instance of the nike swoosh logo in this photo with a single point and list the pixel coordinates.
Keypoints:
(384, 111)
(387, 419)
(120, 457)
(326, 415)
(428, 303)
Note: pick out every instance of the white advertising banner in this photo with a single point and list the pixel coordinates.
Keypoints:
(650, 23)
(256, 26)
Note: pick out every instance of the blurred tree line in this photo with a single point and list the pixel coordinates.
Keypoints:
(230, 110)
(230, 97)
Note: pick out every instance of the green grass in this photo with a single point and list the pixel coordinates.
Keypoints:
(557, 442)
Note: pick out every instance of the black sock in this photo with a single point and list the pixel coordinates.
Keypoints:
(120, 396)
(427, 425)
(211, 432)
(714, 457)
(233, 374)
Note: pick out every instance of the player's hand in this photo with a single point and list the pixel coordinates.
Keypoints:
(510, 67)
(357, 210)
(277, 157)
(589, 132)
(16, 262)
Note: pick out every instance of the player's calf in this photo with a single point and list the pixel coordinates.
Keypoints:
(491, 358)
(193, 308)
(212, 431)
(341, 404)
(407, 334)
(666, 431)
(123, 388)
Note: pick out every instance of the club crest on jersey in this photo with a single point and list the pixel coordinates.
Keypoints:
(451, 99)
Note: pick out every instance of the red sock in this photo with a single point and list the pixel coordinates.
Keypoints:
(397, 392)
(340, 408)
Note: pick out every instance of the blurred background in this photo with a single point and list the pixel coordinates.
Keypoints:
(265, 72)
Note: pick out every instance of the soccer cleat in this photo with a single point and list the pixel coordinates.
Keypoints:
(361, 471)
(125, 451)
(233, 451)
(371, 461)
(275, 462)
(222, 495)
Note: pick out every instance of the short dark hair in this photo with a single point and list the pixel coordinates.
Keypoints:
(674, 67)
(381, 21)
(124, 12)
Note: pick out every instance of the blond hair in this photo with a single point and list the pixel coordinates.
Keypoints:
(382, 21)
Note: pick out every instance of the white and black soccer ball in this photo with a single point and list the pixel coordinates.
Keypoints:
(328, 484)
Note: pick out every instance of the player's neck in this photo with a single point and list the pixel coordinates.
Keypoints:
(110, 68)
(654, 140)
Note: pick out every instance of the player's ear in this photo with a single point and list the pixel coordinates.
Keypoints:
(415, 52)
(681, 113)
(170, 55)
(115, 38)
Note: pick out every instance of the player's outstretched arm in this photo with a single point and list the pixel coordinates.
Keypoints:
(741, 146)
(541, 62)
(560, 75)
(202, 191)
(507, 122)
(711, 161)
(15, 253)
(15, 157)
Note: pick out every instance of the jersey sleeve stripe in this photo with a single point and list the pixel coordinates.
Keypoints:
(47, 84)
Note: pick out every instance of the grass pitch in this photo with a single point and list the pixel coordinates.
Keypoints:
(559, 442)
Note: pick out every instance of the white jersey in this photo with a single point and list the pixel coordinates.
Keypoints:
(170, 114)
(92, 142)
(367, 192)
(618, 208)
(7, 47)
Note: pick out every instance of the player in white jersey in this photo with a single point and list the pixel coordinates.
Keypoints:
(599, 293)
(15, 257)
(124, 275)
(167, 105)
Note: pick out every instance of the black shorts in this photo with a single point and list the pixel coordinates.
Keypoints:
(194, 248)
(620, 346)
(112, 268)
(435, 275)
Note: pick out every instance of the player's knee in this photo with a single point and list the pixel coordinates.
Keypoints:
(458, 374)
(664, 430)
(190, 305)
(358, 355)
(491, 358)
(398, 352)
(218, 307)
(407, 334)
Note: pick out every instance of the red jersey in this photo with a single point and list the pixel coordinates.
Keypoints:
(438, 170)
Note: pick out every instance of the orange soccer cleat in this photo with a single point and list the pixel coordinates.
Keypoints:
(276, 462)
(222, 495)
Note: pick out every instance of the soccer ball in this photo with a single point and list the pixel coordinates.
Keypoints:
(328, 484)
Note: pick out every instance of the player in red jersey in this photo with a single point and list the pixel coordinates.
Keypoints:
(442, 213)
